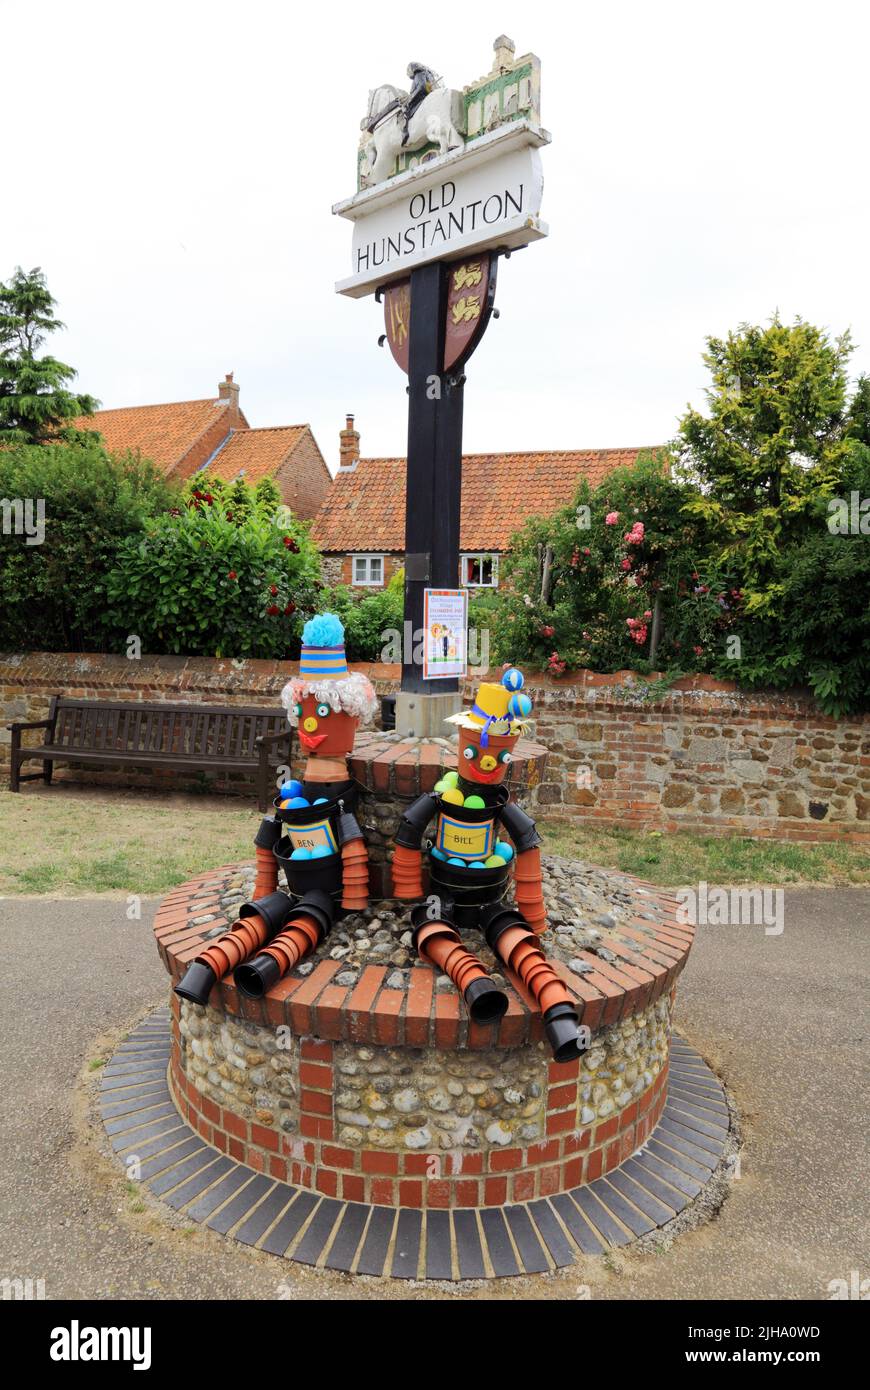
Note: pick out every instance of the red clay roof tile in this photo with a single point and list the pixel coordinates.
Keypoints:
(365, 507)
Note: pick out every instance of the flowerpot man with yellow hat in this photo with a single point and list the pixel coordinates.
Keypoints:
(469, 869)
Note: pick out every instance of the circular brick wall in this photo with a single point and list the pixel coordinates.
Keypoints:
(382, 1091)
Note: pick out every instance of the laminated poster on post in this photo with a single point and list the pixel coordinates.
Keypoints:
(445, 623)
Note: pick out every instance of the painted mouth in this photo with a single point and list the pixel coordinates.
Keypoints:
(311, 741)
(474, 775)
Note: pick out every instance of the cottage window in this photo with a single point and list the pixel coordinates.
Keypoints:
(368, 569)
(479, 571)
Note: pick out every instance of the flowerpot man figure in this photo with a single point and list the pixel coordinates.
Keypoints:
(469, 870)
(313, 836)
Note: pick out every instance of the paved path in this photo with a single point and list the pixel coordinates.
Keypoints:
(783, 1019)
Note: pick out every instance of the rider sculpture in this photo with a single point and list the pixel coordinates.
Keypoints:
(430, 114)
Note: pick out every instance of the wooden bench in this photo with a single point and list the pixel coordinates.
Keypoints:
(206, 738)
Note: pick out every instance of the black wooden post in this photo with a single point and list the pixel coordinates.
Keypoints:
(434, 472)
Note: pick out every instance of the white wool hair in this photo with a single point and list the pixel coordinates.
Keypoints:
(354, 695)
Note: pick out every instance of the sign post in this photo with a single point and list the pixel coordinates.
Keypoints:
(447, 181)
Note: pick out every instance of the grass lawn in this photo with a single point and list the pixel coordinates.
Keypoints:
(78, 841)
(681, 857)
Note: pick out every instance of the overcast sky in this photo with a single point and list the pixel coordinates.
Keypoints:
(172, 167)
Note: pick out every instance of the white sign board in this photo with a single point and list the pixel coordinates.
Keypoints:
(484, 196)
(445, 629)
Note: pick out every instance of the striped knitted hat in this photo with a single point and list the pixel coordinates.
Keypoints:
(323, 673)
(323, 655)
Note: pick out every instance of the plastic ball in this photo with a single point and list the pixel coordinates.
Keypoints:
(520, 706)
(442, 786)
(504, 851)
(320, 852)
(459, 862)
(292, 788)
(450, 779)
(453, 797)
(437, 853)
(475, 803)
(477, 864)
(297, 802)
(321, 801)
(283, 805)
(301, 854)
(513, 679)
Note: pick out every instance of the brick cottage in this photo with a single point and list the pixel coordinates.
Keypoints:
(360, 528)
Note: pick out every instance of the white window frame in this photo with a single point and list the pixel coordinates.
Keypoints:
(368, 582)
(478, 555)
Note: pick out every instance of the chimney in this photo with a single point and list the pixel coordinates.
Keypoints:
(229, 391)
(504, 54)
(348, 452)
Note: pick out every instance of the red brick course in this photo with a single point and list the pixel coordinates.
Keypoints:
(369, 1013)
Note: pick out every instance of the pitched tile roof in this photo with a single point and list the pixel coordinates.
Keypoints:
(164, 433)
(255, 452)
(365, 507)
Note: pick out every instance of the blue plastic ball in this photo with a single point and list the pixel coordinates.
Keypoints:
(301, 854)
(320, 801)
(520, 706)
(437, 853)
(297, 802)
(321, 852)
(459, 862)
(291, 788)
(505, 850)
(513, 679)
(477, 864)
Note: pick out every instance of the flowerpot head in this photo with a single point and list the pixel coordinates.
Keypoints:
(489, 730)
(326, 702)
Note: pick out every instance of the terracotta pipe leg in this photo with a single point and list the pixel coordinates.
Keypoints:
(512, 940)
(309, 921)
(440, 944)
(218, 960)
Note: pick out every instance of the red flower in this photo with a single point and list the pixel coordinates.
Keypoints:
(273, 589)
(273, 609)
(547, 631)
(209, 499)
(291, 608)
(232, 575)
(229, 516)
(290, 543)
(699, 651)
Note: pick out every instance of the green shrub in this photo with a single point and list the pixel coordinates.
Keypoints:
(368, 620)
(205, 584)
(54, 594)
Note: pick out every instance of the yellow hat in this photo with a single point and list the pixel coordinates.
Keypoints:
(489, 712)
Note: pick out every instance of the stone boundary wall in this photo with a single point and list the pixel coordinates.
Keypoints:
(706, 756)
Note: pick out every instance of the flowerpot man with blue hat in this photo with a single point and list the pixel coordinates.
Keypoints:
(313, 836)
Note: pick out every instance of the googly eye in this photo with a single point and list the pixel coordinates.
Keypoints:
(505, 757)
(298, 709)
(323, 711)
(470, 753)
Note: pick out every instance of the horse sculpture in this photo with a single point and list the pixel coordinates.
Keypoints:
(437, 120)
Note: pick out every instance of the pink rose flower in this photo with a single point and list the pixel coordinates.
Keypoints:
(611, 518)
